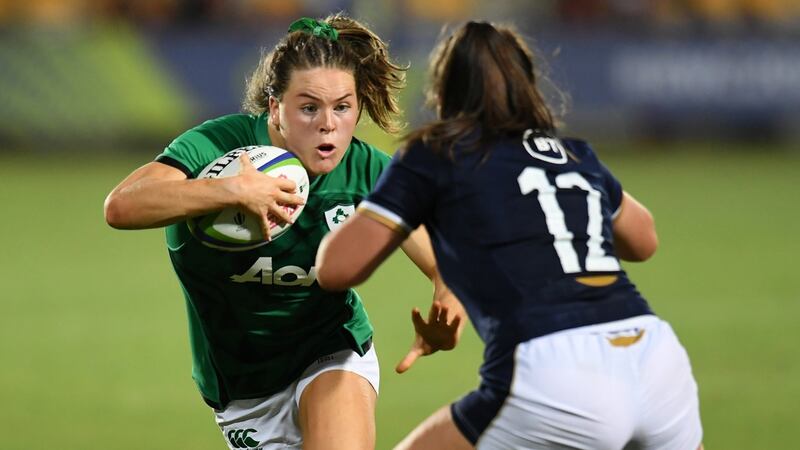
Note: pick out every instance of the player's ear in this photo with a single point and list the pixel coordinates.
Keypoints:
(274, 116)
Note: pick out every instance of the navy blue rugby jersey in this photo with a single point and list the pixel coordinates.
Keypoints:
(515, 234)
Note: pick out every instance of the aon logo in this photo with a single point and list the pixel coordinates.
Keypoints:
(262, 272)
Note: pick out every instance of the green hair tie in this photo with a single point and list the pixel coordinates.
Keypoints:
(315, 28)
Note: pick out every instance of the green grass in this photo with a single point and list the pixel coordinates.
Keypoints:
(93, 335)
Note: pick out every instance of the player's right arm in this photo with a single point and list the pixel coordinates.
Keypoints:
(156, 195)
(635, 237)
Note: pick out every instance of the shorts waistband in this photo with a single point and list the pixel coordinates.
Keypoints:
(616, 325)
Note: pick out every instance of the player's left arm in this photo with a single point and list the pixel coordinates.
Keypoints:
(446, 316)
(419, 250)
(348, 256)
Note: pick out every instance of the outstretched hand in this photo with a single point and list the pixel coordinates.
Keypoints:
(439, 333)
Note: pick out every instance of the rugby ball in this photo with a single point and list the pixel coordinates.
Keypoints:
(232, 229)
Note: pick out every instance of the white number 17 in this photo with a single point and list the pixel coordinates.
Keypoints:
(535, 179)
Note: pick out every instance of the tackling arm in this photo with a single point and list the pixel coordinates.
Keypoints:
(419, 249)
(348, 255)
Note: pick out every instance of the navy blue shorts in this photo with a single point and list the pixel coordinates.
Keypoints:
(474, 412)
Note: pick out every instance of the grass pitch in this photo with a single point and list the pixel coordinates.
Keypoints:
(93, 334)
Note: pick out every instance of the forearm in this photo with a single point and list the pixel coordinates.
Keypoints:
(419, 249)
(445, 297)
(149, 203)
(417, 246)
(156, 194)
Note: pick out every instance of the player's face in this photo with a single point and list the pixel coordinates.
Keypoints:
(316, 117)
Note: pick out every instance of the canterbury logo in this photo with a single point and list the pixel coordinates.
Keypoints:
(240, 438)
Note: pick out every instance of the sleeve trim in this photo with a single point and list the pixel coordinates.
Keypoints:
(384, 216)
(163, 159)
(617, 212)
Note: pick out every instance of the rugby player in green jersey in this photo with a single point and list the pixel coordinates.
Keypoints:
(283, 363)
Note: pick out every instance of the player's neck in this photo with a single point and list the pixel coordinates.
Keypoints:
(275, 136)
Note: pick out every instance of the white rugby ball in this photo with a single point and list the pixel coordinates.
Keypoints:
(232, 229)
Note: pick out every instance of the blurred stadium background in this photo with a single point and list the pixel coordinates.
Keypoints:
(695, 104)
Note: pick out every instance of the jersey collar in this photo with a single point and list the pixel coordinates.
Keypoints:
(262, 135)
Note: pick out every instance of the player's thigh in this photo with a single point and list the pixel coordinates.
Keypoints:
(337, 403)
(437, 432)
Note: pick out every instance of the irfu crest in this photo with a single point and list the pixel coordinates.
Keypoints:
(338, 214)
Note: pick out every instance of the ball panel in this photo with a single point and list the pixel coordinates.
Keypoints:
(202, 228)
(227, 163)
(276, 161)
(233, 230)
(236, 226)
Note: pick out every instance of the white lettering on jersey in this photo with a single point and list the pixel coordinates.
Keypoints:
(261, 272)
(534, 179)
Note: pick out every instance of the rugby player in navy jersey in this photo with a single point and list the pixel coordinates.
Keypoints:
(528, 230)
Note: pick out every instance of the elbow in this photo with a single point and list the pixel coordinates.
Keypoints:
(114, 212)
(639, 242)
(330, 283)
(347, 257)
(336, 274)
(651, 248)
(644, 251)
(336, 280)
(649, 243)
(643, 248)
(333, 271)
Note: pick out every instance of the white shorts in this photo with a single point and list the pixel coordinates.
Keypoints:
(625, 384)
(272, 422)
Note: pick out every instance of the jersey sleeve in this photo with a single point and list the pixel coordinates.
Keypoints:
(195, 149)
(584, 152)
(613, 187)
(186, 153)
(378, 162)
(405, 194)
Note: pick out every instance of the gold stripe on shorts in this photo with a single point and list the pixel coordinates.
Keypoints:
(625, 341)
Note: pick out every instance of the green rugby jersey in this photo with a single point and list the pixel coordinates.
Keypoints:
(258, 318)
